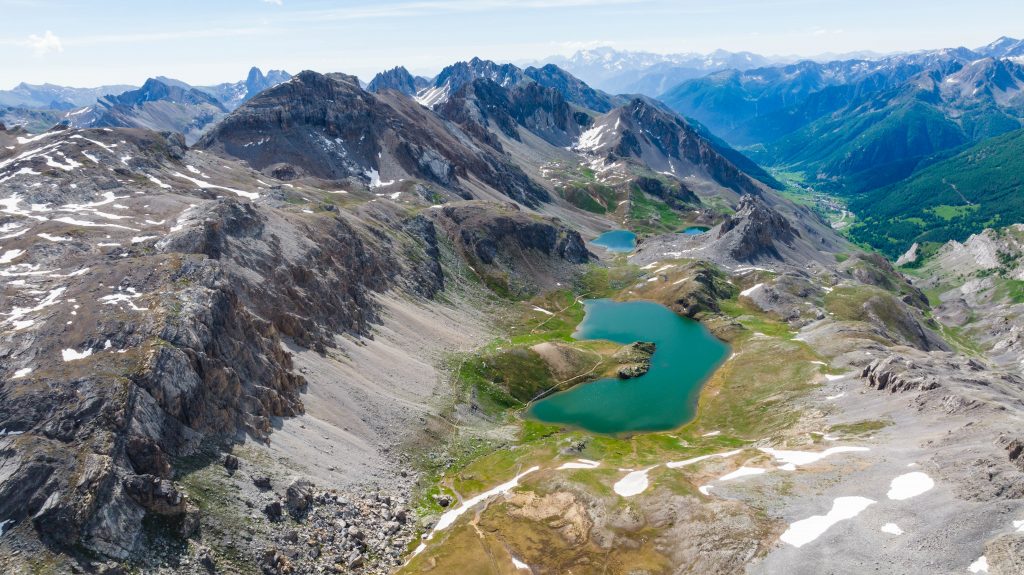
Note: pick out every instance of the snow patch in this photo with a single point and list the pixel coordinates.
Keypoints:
(807, 530)
(72, 355)
(448, 518)
(909, 485)
(580, 464)
(633, 483)
(798, 458)
(748, 291)
(154, 179)
(375, 181)
(742, 472)
(892, 529)
(10, 255)
(123, 296)
(591, 139)
(208, 185)
(684, 463)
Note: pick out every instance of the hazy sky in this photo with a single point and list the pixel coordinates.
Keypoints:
(93, 42)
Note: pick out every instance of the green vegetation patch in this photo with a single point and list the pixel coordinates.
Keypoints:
(592, 197)
(860, 428)
(983, 186)
(650, 216)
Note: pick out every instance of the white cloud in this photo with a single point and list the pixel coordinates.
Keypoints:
(276, 2)
(42, 45)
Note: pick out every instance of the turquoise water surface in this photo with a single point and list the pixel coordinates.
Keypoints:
(665, 398)
(616, 241)
(695, 230)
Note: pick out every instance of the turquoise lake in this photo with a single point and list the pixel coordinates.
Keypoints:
(616, 241)
(695, 230)
(686, 354)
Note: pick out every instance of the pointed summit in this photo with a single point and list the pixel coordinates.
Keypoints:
(398, 79)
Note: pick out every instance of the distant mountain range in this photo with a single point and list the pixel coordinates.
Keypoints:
(626, 72)
(51, 96)
(859, 124)
(161, 104)
(653, 74)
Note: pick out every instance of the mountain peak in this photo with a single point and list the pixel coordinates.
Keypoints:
(399, 79)
(255, 76)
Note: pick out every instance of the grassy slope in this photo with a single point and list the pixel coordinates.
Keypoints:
(867, 147)
(978, 188)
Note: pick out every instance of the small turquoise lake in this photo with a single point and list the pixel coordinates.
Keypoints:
(694, 230)
(686, 354)
(616, 241)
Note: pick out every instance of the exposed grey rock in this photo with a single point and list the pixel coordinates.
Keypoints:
(326, 126)
(299, 497)
(513, 250)
(155, 494)
(636, 357)
(274, 511)
(755, 229)
(1005, 554)
(398, 79)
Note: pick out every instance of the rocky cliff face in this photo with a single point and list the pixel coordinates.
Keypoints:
(572, 88)
(513, 252)
(642, 131)
(754, 231)
(543, 111)
(398, 79)
(328, 127)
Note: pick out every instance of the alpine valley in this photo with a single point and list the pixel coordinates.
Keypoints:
(298, 324)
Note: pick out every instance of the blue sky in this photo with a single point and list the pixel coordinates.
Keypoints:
(93, 42)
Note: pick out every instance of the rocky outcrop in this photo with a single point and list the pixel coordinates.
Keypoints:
(910, 256)
(574, 90)
(754, 231)
(162, 497)
(398, 79)
(299, 497)
(1005, 554)
(675, 194)
(707, 288)
(453, 78)
(513, 251)
(965, 382)
(897, 374)
(875, 270)
(634, 359)
(543, 111)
